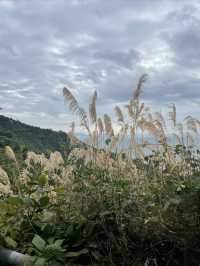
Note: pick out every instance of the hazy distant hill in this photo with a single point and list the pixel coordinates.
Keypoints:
(22, 137)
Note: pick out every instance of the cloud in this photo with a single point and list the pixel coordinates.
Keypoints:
(95, 44)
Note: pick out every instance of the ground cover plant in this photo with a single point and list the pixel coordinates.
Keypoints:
(131, 196)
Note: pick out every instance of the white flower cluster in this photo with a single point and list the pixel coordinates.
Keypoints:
(4, 177)
(5, 188)
(51, 164)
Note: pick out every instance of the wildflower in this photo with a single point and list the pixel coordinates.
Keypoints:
(34, 158)
(4, 177)
(52, 196)
(56, 157)
(54, 162)
(5, 190)
(77, 154)
(9, 153)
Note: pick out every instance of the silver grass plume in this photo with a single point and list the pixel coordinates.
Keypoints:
(172, 114)
(118, 111)
(159, 117)
(138, 90)
(116, 140)
(3, 173)
(136, 147)
(151, 129)
(9, 153)
(4, 177)
(100, 125)
(141, 108)
(108, 125)
(92, 108)
(114, 143)
(179, 127)
(162, 138)
(141, 123)
(75, 108)
(191, 124)
(130, 110)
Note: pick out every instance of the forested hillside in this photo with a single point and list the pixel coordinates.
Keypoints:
(23, 138)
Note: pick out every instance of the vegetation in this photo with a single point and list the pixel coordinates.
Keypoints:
(23, 138)
(131, 197)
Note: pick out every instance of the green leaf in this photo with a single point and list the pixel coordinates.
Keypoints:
(44, 201)
(40, 262)
(28, 260)
(42, 179)
(59, 242)
(53, 250)
(10, 242)
(76, 253)
(15, 200)
(38, 242)
(60, 189)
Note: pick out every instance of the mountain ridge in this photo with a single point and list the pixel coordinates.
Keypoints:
(23, 137)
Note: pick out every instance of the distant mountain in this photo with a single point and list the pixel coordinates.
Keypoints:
(23, 138)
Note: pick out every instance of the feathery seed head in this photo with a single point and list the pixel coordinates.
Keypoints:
(92, 108)
(9, 153)
(119, 114)
(108, 125)
(138, 90)
(100, 125)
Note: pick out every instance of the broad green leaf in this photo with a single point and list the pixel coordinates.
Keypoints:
(60, 189)
(10, 242)
(38, 242)
(40, 262)
(42, 179)
(53, 249)
(59, 242)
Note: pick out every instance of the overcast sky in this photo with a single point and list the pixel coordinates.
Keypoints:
(102, 45)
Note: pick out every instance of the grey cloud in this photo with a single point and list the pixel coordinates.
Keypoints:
(95, 44)
(185, 45)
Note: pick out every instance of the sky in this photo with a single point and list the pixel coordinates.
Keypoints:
(102, 45)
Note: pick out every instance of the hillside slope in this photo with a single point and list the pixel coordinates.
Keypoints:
(22, 137)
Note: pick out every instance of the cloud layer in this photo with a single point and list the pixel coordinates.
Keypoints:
(96, 44)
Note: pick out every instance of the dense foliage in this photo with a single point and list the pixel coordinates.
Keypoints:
(108, 204)
(108, 212)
